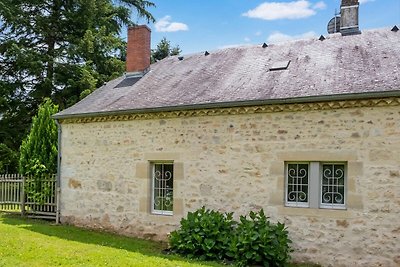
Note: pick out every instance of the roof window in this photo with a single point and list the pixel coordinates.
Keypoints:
(128, 81)
(280, 65)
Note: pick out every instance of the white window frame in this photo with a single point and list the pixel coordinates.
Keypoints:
(315, 186)
(153, 167)
(295, 203)
(333, 206)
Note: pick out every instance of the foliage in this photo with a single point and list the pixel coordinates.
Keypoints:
(164, 50)
(8, 159)
(258, 241)
(58, 49)
(39, 149)
(27, 242)
(208, 234)
(15, 117)
(38, 153)
(37, 187)
(204, 234)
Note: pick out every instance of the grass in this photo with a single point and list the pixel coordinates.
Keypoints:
(28, 242)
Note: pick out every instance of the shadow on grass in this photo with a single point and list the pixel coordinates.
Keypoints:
(72, 233)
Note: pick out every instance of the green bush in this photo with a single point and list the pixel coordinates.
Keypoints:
(205, 234)
(40, 145)
(38, 153)
(258, 241)
(212, 235)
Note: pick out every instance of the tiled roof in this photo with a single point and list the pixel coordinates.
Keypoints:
(339, 65)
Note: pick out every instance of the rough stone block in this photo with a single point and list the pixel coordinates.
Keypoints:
(142, 170)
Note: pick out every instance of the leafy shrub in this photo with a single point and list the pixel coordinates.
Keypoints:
(258, 241)
(211, 235)
(205, 234)
(36, 188)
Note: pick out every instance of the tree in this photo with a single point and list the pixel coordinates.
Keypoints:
(15, 117)
(38, 153)
(57, 49)
(8, 159)
(39, 148)
(63, 47)
(164, 50)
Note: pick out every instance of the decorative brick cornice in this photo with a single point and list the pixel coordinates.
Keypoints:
(294, 107)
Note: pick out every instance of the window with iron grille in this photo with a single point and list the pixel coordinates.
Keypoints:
(315, 184)
(297, 184)
(162, 188)
(333, 185)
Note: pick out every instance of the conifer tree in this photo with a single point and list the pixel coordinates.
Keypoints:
(164, 50)
(58, 49)
(38, 152)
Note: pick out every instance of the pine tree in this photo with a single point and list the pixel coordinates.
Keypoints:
(164, 50)
(61, 47)
(58, 49)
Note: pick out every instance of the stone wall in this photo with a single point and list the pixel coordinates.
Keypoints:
(236, 163)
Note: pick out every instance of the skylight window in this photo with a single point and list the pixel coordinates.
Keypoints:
(128, 81)
(280, 65)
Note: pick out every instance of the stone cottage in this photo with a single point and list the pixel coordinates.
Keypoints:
(307, 130)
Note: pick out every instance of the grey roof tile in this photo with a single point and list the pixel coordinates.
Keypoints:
(364, 63)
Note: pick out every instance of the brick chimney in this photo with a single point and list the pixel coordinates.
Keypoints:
(349, 17)
(138, 50)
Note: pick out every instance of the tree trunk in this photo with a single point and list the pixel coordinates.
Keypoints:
(50, 40)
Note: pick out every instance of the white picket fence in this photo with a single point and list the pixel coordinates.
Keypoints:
(14, 197)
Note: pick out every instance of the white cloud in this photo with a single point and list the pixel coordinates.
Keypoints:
(165, 25)
(247, 39)
(319, 5)
(275, 38)
(258, 33)
(278, 37)
(284, 10)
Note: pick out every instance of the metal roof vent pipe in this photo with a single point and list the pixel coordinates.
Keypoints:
(349, 17)
(138, 51)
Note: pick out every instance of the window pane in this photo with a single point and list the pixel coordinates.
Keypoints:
(332, 185)
(157, 175)
(297, 183)
(163, 187)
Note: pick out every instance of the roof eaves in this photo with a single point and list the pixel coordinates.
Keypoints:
(296, 100)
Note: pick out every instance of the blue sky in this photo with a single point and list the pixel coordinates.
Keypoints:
(199, 25)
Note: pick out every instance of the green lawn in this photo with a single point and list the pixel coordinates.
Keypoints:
(27, 242)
